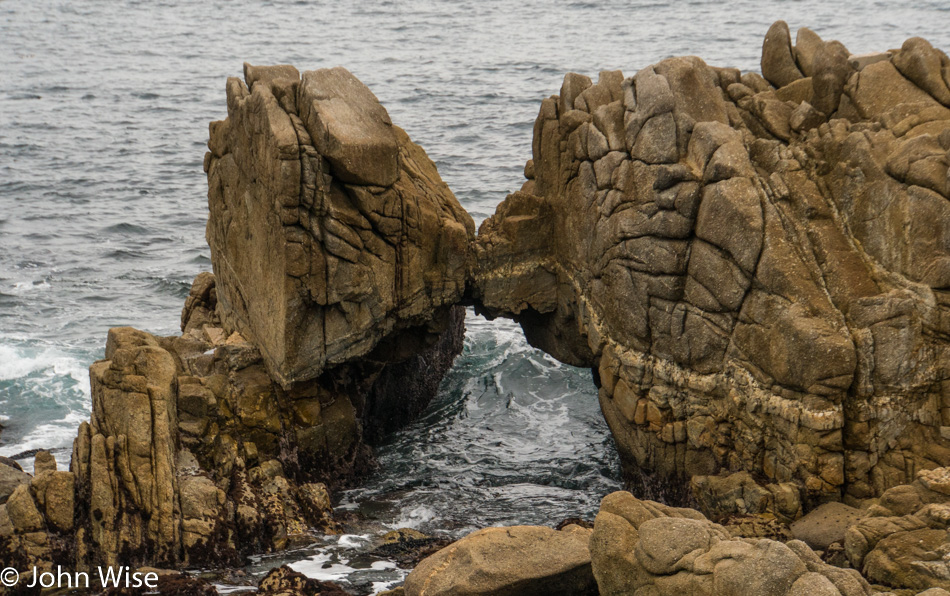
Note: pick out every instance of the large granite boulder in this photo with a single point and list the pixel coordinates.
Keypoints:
(757, 269)
(332, 235)
(508, 561)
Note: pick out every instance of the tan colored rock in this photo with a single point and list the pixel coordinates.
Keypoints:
(643, 547)
(349, 127)
(831, 72)
(354, 238)
(22, 511)
(778, 60)
(10, 478)
(763, 268)
(43, 461)
(912, 559)
(517, 560)
(825, 525)
(807, 44)
(210, 446)
(926, 66)
(55, 494)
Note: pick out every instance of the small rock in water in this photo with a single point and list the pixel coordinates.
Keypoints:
(284, 581)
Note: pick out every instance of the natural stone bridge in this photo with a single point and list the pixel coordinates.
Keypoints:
(755, 268)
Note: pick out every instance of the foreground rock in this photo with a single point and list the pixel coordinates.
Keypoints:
(329, 322)
(757, 269)
(637, 547)
(643, 546)
(510, 561)
(904, 539)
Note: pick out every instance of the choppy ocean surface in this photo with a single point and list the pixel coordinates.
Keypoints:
(104, 108)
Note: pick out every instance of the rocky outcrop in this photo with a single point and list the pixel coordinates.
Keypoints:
(755, 268)
(332, 235)
(637, 547)
(903, 539)
(339, 255)
(643, 546)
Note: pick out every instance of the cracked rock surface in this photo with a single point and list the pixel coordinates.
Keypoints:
(755, 266)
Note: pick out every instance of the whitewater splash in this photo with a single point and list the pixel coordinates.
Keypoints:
(44, 396)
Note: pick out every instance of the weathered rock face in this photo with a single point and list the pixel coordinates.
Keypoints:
(758, 275)
(332, 319)
(904, 539)
(645, 547)
(331, 232)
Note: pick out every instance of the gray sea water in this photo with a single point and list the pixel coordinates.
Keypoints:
(104, 108)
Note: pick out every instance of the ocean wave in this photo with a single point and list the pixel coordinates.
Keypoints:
(47, 397)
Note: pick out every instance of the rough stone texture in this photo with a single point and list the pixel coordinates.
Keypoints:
(207, 447)
(759, 276)
(643, 547)
(509, 561)
(194, 455)
(825, 525)
(10, 478)
(43, 461)
(779, 64)
(904, 540)
(332, 235)
(284, 581)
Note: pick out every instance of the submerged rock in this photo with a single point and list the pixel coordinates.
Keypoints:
(284, 581)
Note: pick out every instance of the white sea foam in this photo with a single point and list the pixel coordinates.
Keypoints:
(321, 568)
(57, 384)
(413, 518)
(28, 287)
(17, 362)
(378, 587)
(353, 540)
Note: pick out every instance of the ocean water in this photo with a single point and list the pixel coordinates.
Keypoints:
(104, 108)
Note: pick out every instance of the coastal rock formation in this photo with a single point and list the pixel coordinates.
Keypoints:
(331, 319)
(757, 269)
(646, 547)
(637, 547)
(509, 561)
(903, 539)
(332, 235)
